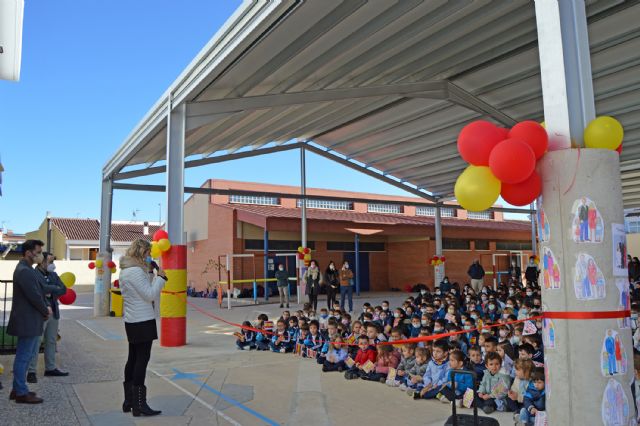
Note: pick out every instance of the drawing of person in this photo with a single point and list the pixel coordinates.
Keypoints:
(592, 219)
(618, 347)
(584, 277)
(583, 216)
(622, 255)
(610, 348)
(611, 402)
(592, 276)
(556, 277)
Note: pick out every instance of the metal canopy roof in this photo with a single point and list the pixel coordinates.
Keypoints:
(386, 85)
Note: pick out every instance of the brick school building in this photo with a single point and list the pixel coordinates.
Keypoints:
(397, 240)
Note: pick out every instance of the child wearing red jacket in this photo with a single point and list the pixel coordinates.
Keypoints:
(365, 353)
(387, 358)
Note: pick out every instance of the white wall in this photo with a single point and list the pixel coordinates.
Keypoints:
(80, 268)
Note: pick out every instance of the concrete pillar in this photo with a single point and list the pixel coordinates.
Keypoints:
(102, 283)
(576, 384)
(173, 299)
(534, 243)
(580, 389)
(266, 264)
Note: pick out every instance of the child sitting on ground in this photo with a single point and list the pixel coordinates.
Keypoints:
(407, 362)
(262, 337)
(336, 356)
(533, 398)
(507, 353)
(462, 381)
(435, 377)
(494, 386)
(314, 341)
(366, 352)
(387, 358)
(515, 397)
(536, 341)
(476, 362)
(281, 340)
(413, 377)
(246, 337)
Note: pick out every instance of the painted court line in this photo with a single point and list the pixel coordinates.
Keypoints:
(108, 335)
(228, 399)
(197, 398)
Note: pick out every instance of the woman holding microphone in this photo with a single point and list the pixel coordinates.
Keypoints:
(141, 281)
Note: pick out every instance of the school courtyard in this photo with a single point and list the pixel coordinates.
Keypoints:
(208, 381)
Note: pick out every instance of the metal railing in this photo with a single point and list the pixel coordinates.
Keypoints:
(7, 343)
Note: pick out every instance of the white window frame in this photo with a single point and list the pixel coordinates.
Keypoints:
(430, 211)
(327, 204)
(258, 200)
(384, 208)
(484, 215)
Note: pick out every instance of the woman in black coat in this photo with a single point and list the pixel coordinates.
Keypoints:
(332, 279)
(313, 280)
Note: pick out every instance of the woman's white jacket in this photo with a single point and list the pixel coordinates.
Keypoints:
(139, 289)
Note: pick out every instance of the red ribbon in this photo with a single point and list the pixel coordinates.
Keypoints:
(586, 315)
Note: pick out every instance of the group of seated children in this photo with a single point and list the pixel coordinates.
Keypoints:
(480, 335)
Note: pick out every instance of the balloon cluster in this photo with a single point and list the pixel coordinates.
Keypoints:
(99, 263)
(160, 243)
(68, 279)
(604, 132)
(502, 162)
(536, 259)
(435, 260)
(304, 253)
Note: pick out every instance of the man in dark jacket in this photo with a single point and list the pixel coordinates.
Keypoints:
(476, 273)
(282, 278)
(52, 287)
(28, 313)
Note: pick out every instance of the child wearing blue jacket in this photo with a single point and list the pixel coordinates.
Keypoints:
(437, 372)
(463, 381)
(534, 398)
(336, 356)
(314, 340)
(246, 337)
(281, 340)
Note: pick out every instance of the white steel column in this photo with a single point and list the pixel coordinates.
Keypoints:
(303, 192)
(438, 269)
(102, 283)
(175, 174)
(534, 245)
(583, 386)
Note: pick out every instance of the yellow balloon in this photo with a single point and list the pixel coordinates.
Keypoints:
(155, 251)
(604, 132)
(164, 244)
(543, 124)
(477, 188)
(99, 263)
(68, 279)
(113, 270)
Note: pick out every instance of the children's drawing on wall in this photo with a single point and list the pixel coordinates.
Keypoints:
(550, 270)
(544, 232)
(588, 281)
(624, 302)
(548, 334)
(615, 405)
(619, 249)
(613, 359)
(587, 226)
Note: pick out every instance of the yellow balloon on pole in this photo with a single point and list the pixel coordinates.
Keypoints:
(68, 279)
(477, 188)
(603, 132)
(155, 251)
(164, 244)
(99, 263)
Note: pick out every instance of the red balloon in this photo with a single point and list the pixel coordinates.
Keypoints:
(477, 139)
(512, 161)
(160, 234)
(619, 149)
(68, 298)
(92, 265)
(111, 264)
(533, 134)
(505, 132)
(307, 250)
(442, 258)
(523, 193)
(116, 283)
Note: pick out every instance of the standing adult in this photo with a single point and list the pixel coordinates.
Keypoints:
(346, 285)
(140, 288)
(332, 278)
(282, 279)
(476, 273)
(313, 280)
(53, 288)
(514, 271)
(28, 314)
(531, 273)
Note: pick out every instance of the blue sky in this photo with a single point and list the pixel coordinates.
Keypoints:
(90, 70)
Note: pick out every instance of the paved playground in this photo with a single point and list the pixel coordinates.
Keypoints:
(209, 381)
